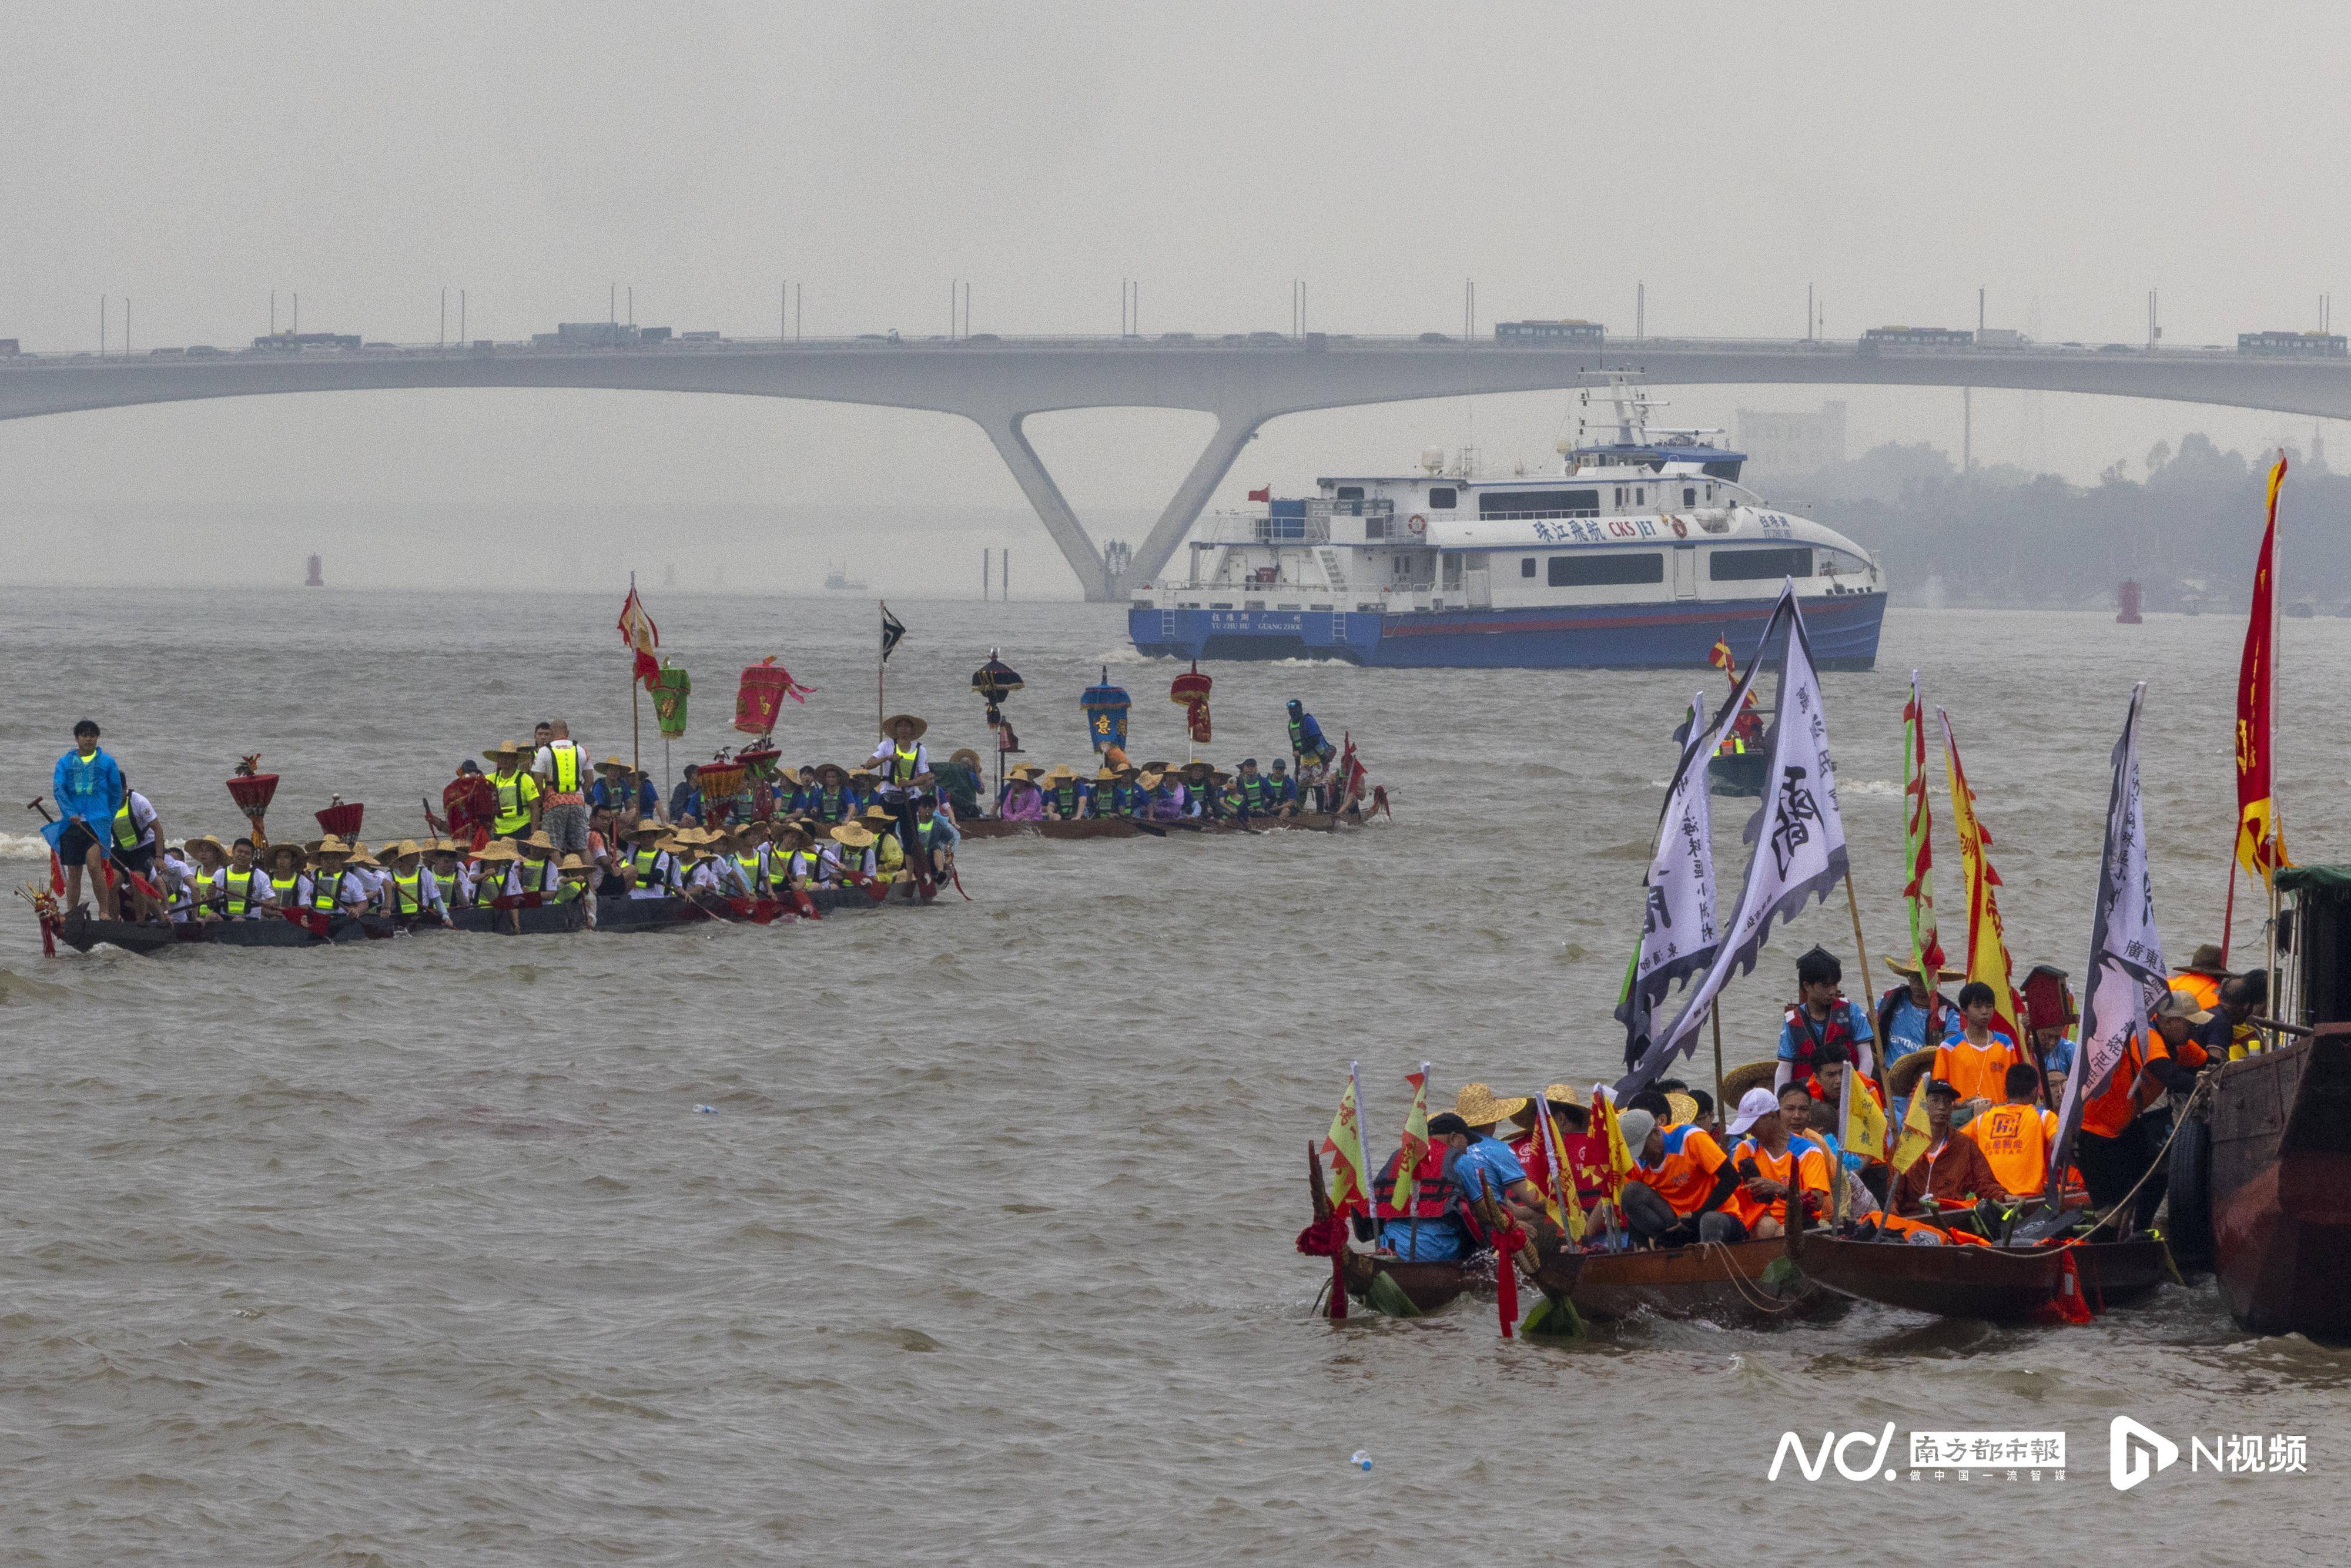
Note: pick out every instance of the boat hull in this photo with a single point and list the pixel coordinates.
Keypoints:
(2280, 1184)
(1843, 628)
(1120, 828)
(1722, 1283)
(1427, 1286)
(1996, 1284)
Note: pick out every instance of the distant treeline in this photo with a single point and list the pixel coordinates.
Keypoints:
(2187, 532)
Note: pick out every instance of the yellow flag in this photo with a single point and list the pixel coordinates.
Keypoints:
(1344, 1144)
(1415, 1142)
(1567, 1208)
(1865, 1124)
(1916, 1134)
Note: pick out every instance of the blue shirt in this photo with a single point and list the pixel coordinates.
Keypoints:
(1906, 1027)
(1491, 1158)
(2060, 1058)
(609, 795)
(1857, 1017)
(89, 787)
(1425, 1241)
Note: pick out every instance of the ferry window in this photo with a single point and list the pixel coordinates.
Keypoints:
(1351, 493)
(1539, 503)
(1375, 527)
(1757, 565)
(1599, 570)
(1641, 495)
(1620, 495)
(1442, 499)
(1689, 495)
(1526, 566)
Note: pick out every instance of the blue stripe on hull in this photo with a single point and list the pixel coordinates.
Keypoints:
(1843, 630)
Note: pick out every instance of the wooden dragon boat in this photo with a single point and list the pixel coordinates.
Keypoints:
(1427, 1286)
(1133, 827)
(1997, 1284)
(1721, 1282)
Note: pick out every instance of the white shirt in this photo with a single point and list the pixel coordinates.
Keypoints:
(143, 818)
(543, 764)
(882, 768)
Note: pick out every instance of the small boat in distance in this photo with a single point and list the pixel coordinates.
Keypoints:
(1642, 553)
(838, 580)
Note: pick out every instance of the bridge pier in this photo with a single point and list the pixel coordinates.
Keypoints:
(1235, 430)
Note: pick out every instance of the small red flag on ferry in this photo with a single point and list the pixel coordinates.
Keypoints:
(1264, 494)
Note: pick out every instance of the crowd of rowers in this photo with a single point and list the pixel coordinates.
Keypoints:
(1990, 1111)
(535, 829)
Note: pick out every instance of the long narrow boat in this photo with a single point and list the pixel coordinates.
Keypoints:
(1128, 828)
(1716, 1281)
(1998, 1285)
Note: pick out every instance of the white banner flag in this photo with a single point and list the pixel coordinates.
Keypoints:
(1798, 837)
(2126, 974)
(1677, 933)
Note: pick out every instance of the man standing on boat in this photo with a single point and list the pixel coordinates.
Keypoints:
(903, 767)
(1821, 1016)
(1978, 1061)
(1914, 1016)
(516, 800)
(87, 788)
(562, 771)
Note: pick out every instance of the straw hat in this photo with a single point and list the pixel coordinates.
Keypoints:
(539, 840)
(403, 849)
(572, 862)
(611, 765)
(1149, 780)
(967, 757)
(1685, 1110)
(853, 834)
(443, 847)
(877, 814)
(1903, 1077)
(1907, 969)
(504, 749)
(273, 851)
(889, 725)
(1106, 774)
(835, 768)
(1562, 1095)
(329, 845)
(1751, 1075)
(1059, 770)
(360, 856)
(1478, 1105)
(496, 853)
(205, 839)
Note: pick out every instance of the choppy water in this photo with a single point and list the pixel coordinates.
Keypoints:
(418, 1252)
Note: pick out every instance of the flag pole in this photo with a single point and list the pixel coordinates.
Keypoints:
(1852, 906)
(881, 701)
(1714, 1015)
(2276, 1003)
(1371, 1203)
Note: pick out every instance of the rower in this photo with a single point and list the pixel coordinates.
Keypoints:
(333, 890)
(577, 874)
(888, 852)
(1772, 1165)
(2015, 1136)
(1814, 1120)
(794, 865)
(1914, 1015)
(1953, 1173)
(201, 895)
(89, 789)
(1486, 1163)
(138, 833)
(515, 809)
(1022, 800)
(1164, 798)
(1438, 1227)
(1679, 1185)
(2202, 975)
(740, 872)
(539, 872)
(1200, 784)
(449, 877)
(651, 870)
(414, 891)
(245, 887)
(856, 851)
(289, 887)
(2230, 1035)
(959, 784)
(1820, 1017)
(494, 872)
(831, 804)
(1282, 790)
(1978, 1061)
(366, 870)
(1252, 791)
(1067, 797)
(1113, 795)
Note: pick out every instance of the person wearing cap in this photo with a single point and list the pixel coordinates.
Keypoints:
(2123, 1125)
(515, 808)
(1250, 791)
(560, 767)
(1068, 798)
(1485, 1164)
(1914, 1015)
(1679, 1183)
(1439, 1225)
(2202, 975)
(1952, 1174)
(1978, 1061)
(1773, 1166)
(1280, 791)
(1820, 1017)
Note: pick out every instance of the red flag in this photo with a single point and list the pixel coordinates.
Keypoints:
(638, 631)
(1264, 494)
(2261, 845)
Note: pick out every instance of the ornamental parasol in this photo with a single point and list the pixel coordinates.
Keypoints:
(1105, 708)
(760, 696)
(251, 790)
(718, 779)
(340, 820)
(1189, 691)
(996, 681)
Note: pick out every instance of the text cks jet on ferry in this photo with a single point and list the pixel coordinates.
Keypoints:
(1643, 553)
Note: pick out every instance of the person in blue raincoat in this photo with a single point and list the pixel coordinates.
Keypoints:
(1306, 736)
(87, 788)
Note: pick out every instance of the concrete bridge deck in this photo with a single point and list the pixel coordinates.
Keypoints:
(998, 383)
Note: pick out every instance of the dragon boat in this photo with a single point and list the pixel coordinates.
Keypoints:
(1134, 827)
(1995, 1284)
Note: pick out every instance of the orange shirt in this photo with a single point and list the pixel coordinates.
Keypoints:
(1804, 1167)
(2110, 1115)
(2015, 1143)
(1684, 1173)
(2205, 989)
(1977, 1073)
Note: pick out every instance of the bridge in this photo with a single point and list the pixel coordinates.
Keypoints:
(1243, 381)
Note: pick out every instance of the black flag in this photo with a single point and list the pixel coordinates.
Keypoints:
(892, 630)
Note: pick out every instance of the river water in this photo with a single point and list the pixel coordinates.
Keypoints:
(419, 1252)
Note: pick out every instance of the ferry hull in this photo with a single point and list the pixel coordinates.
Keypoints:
(1843, 630)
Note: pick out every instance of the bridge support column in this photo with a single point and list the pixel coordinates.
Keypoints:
(1052, 508)
(1235, 430)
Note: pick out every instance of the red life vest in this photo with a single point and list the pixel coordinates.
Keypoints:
(1435, 1195)
(1812, 1036)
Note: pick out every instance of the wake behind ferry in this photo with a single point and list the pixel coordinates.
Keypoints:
(1640, 555)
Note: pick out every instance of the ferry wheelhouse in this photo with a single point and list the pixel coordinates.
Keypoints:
(1640, 553)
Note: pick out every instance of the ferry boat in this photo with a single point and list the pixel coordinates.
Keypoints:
(1641, 554)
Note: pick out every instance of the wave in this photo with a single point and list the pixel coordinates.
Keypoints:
(24, 847)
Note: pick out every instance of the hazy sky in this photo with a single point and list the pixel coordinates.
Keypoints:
(193, 159)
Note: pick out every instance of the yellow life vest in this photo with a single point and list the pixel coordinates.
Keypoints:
(566, 758)
(408, 892)
(515, 791)
(238, 885)
(901, 764)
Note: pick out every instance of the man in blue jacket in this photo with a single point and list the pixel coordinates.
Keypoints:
(87, 788)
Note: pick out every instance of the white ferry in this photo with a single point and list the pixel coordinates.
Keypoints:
(1641, 553)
